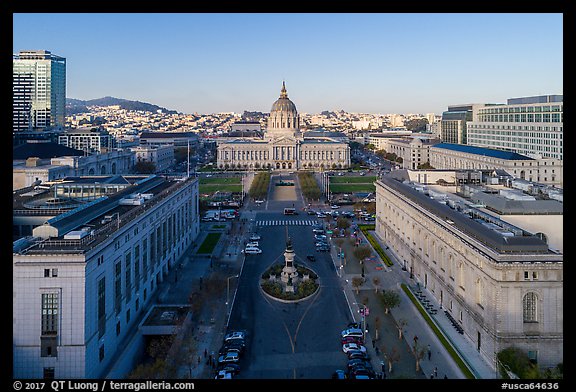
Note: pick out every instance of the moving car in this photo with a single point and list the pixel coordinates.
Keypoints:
(311, 258)
(252, 244)
(252, 251)
(223, 375)
(255, 237)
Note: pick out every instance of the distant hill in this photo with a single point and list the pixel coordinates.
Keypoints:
(74, 106)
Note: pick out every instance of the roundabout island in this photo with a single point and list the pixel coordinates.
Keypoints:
(289, 282)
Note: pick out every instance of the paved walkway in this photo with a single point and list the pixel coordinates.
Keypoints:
(391, 278)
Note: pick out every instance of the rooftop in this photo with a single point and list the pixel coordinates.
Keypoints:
(500, 154)
(490, 231)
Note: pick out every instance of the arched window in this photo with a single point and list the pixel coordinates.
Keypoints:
(529, 306)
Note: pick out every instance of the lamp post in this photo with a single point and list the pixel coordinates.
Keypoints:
(228, 287)
(363, 313)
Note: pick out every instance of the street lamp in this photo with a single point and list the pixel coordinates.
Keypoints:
(228, 287)
(364, 314)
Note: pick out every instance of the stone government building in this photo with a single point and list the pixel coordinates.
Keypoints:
(283, 146)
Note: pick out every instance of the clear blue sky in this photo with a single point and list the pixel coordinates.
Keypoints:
(369, 63)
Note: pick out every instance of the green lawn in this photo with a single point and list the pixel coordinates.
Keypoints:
(218, 180)
(209, 243)
(211, 188)
(354, 179)
(350, 188)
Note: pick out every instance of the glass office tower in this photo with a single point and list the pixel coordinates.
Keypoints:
(38, 90)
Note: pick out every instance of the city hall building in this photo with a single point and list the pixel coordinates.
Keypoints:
(284, 146)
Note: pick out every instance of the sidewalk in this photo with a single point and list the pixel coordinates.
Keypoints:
(391, 278)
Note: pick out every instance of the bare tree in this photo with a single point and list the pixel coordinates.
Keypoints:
(376, 282)
(419, 353)
(391, 356)
(377, 323)
(400, 324)
(362, 252)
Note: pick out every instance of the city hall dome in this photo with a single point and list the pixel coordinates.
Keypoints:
(283, 115)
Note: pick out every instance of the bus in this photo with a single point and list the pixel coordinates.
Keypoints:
(290, 211)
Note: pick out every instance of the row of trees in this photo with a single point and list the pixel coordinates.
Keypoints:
(309, 185)
(259, 187)
(389, 156)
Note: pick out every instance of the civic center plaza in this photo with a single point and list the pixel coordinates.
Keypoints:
(486, 241)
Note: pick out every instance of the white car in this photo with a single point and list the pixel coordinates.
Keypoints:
(252, 244)
(254, 237)
(334, 207)
(252, 251)
(353, 346)
(352, 332)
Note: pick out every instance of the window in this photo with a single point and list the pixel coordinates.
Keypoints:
(529, 306)
(46, 272)
(48, 373)
(54, 272)
(101, 353)
(50, 314)
(101, 307)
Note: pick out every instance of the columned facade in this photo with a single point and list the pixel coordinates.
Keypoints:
(283, 146)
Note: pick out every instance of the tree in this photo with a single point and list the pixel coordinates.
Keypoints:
(362, 252)
(391, 356)
(419, 353)
(376, 282)
(377, 323)
(389, 299)
(144, 167)
(356, 283)
(516, 361)
(400, 324)
(342, 223)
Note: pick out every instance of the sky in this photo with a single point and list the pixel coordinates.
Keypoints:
(360, 63)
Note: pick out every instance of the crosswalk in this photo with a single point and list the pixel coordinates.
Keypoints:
(299, 222)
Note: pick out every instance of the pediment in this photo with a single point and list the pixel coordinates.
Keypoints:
(284, 141)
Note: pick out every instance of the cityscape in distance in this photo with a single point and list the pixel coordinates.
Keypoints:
(344, 200)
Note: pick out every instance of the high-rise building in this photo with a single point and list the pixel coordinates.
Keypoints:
(453, 124)
(528, 125)
(38, 90)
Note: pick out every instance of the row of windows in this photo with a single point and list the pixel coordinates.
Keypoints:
(538, 118)
(523, 109)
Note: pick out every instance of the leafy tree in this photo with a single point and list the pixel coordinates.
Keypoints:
(517, 361)
(342, 223)
(389, 299)
(376, 282)
(362, 252)
(356, 283)
(144, 167)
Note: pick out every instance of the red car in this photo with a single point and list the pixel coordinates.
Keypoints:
(352, 339)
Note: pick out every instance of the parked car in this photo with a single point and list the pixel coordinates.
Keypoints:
(232, 335)
(339, 374)
(352, 332)
(334, 207)
(357, 354)
(223, 375)
(230, 356)
(353, 346)
(311, 258)
(231, 367)
(352, 339)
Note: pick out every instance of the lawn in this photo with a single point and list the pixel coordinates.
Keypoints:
(209, 243)
(354, 179)
(351, 188)
(211, 188)
(219, 180)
